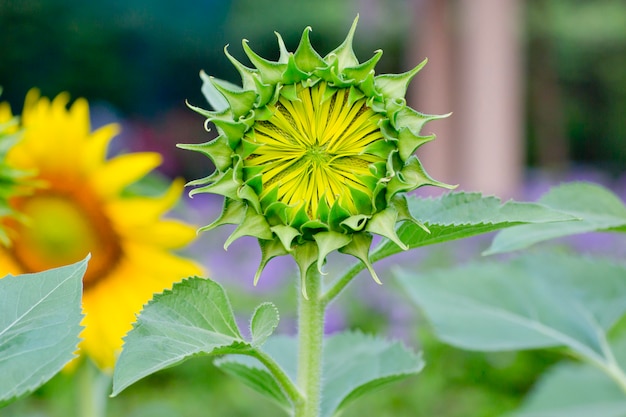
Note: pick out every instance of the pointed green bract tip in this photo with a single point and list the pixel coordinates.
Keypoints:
(313, 152)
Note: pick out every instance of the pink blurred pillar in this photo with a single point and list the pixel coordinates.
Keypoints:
(490, 101)
(432, 90)
(475, 71)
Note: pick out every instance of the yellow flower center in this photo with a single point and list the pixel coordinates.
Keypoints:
(62, 228)
(314, 149)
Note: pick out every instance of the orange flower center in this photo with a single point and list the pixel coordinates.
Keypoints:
(62, 227)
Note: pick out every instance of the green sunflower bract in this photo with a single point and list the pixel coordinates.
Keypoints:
(314, 153)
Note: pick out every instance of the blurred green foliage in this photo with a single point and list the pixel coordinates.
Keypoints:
(581, 47)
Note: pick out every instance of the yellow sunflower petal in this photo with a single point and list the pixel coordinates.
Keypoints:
(167, 234)
(143, 211)
(96, 147)
(122, 171)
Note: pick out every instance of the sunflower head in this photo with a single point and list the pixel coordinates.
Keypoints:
(314, 153)
(86, 202)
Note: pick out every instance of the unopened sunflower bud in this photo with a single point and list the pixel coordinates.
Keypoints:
(314, 153)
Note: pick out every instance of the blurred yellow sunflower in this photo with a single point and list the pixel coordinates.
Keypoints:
(83, 207)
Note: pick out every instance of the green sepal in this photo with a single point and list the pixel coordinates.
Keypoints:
(286, 235)
(359, 247)
(394, 86)
(383, 224)
(360, 72)
(233, 131)
(269, 249)
(369, 88)
(290, 92)
(409, 142)
(252, 175)
(217, 150)
(375, 103)
(413, 120)
(404, 214)
(248, 193)
(253, 224)
(337, 215)
(335, 78)
(355, 223)
(263, 113)
(328, 242)
(380, 148)
(293, 74)
(277, 211)
(393, 108)
(266, 92)
(270, 198)
(212, 96)
(240, 101)
(233, 212)
(328, 93)
(270, 72)
(246, 147)
(323, 211)
(247, 74)
(411, 177)
(362, 201)
(305, 56)
(379, 169)
(283, 58)
(299, 217)
(312, 227)
(225, 185)
(208, 113)
(305, 255)
(354, 95)
(393, 164)
(203, 181)
(344, 55)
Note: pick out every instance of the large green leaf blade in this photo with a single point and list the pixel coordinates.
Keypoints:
(355, 364)
(195, 317)
(597, 207)
(460, 215)
(283, 349)
(577, 390)
(531, 302)
(40, 318)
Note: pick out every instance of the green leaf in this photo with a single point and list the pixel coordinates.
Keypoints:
(353, 365)
(40, 318)
(251, 373)
(576, 390)
(598, 208)
(535, 301)
(283, 349)
(195, 317)
(263, 323)
(459, 215)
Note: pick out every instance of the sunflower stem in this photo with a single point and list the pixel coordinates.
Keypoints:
(340, 284)
(310, 341)
(93, 389)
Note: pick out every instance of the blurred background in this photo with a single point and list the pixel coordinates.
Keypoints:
(538, 95)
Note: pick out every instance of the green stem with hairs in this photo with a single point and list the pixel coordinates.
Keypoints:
(92, 390)
(310, 341)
